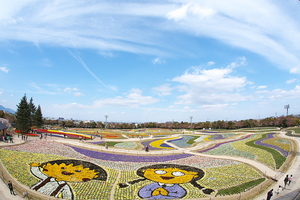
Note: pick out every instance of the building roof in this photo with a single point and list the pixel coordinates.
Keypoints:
(2, 126)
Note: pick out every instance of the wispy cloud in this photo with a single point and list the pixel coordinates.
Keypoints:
(291, 81)
(158, 61)
(243, 27)
(261, 27)
(4, 69)
(74, 91)
(78, 58)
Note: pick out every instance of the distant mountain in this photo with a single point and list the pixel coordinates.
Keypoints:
(7, 110)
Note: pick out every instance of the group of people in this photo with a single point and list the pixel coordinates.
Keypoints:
(7, 138)
(287, 181)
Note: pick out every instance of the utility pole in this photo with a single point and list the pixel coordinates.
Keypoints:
(191, 118)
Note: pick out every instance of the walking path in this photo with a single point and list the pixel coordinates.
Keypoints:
(289, 193)
(293, 190)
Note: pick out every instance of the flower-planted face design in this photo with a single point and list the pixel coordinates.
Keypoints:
(70, 173)
(169, 175)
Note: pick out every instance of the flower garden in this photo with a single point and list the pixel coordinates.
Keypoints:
(130, 176)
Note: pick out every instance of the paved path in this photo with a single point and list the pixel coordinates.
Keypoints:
(289, 193)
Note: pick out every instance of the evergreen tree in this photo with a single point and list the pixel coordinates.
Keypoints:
(23, 116)
(39, 117)
(32, 110)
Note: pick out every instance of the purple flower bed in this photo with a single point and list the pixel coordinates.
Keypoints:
(221, 143)
(128, 158)
(271, 135)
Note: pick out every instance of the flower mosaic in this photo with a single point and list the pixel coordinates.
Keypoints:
(216, 173)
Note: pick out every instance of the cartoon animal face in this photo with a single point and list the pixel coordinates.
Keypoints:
(170, 175)
(70, 173)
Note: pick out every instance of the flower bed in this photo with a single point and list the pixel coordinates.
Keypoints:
(228, 149)
(278, 158)
(64, 134)
(221, 143)
(260, 155)
(269, 142)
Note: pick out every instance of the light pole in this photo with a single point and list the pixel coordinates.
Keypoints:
(106, 116)
(287, 109)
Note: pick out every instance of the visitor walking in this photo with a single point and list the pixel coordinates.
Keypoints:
(11, 188)
(286, 180)
(290, 179)
(270, 194)
(279, 189)
(147, 148)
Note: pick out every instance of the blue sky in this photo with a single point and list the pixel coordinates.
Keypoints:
(151, 60)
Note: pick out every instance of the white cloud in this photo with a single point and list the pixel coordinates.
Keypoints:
(74, 91)
(106, 54)
(77, 94)
(157, 61)
(262, 87)
(68, 89)
(291, 81)
(210, 86)
(4, 69)
(163, 90)
(190, 10)
(295, 70)
(279, 94)
(134, 99)
(214, 107)
(210, 63)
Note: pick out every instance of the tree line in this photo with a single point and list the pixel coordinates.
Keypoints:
(282, 121)
(28, 116)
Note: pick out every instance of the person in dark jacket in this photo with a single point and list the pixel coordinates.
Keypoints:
(11, 188)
